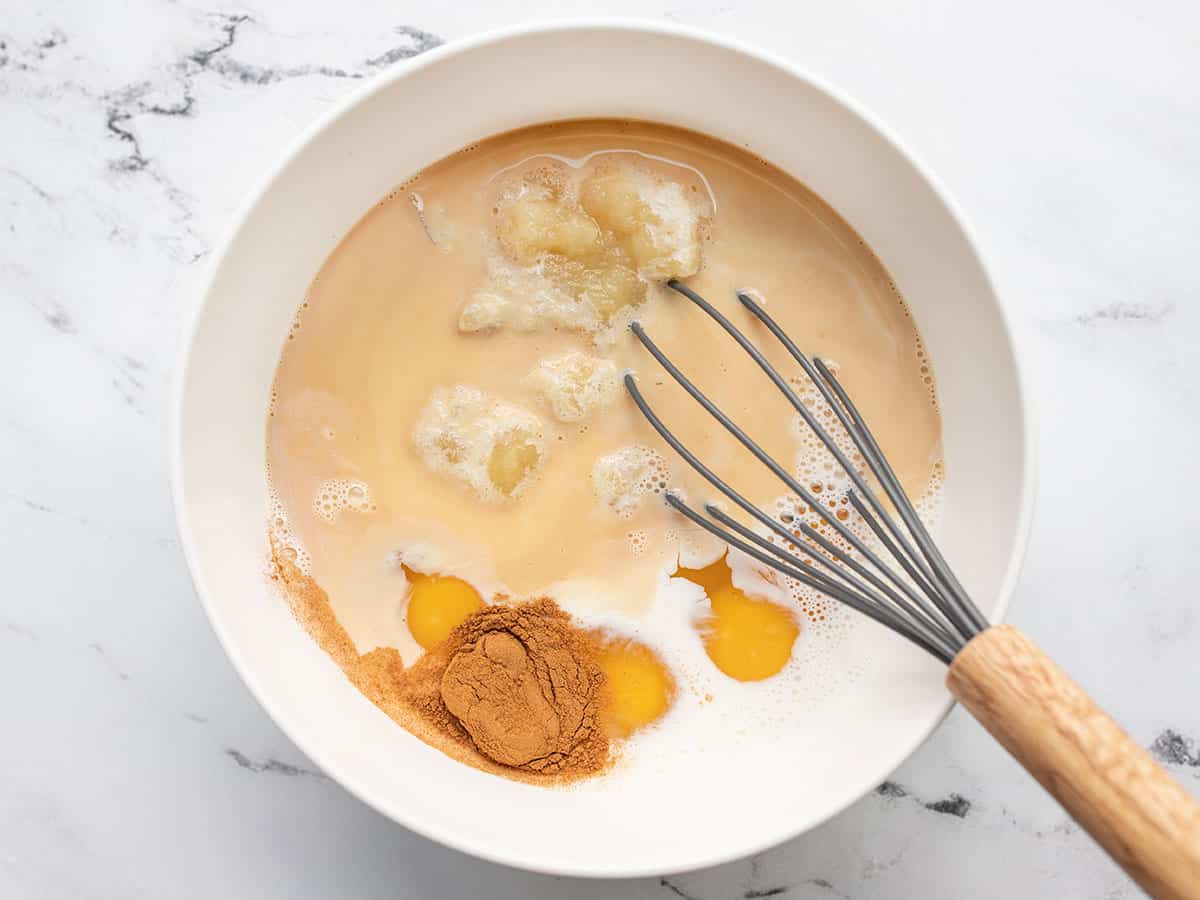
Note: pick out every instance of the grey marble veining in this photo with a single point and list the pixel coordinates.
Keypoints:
(134, 764)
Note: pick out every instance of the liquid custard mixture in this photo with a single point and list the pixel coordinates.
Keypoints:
(468, 506)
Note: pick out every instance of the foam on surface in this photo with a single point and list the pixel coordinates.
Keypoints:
(340, 494)
(624, 478)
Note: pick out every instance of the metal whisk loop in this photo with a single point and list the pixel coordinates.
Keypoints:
(789, 564)
(880, 613)
(929, 607)
(929, 564)
(793, 398)
(929, 618)
(883, 470)
(940, 645)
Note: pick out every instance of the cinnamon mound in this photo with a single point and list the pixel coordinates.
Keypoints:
(523, 683)
(514, 690)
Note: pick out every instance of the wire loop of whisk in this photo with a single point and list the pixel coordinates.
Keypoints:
(923, 602)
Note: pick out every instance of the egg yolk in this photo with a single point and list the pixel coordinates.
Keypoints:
(640, 689)
(747, 638)
(436, 604)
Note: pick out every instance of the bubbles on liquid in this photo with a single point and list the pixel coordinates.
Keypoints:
(815, 464)
(829, 486)
(638, 541)
(926, 371)
(624, 478)
(339, 495)
(294, 328)
(279, 528)
(929, 504)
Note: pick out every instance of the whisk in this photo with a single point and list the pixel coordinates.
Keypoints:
(1145, 820)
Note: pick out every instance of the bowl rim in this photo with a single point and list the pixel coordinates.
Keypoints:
(192, 319)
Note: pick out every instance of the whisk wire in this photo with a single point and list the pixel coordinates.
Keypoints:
(857, 598)
(929, 607)
(910, 560)
(913, 563)
(933, 566)
(885, 539)
(895, 490)
(880, 614)
(690, 458)
(782, 383)
(883, 594)
(791, 483)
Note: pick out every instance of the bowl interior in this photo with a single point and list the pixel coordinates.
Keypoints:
(686, 816)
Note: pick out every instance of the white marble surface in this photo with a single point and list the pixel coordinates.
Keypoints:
(132, 761)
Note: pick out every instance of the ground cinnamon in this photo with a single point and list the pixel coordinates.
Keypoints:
(523, 683)
(514, 690)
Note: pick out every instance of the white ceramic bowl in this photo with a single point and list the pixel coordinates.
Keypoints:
(417, 113)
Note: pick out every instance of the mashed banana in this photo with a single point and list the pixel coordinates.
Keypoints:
(582, 254)
(576, 383)
(494, 447)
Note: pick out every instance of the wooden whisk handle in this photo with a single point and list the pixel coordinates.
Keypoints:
(1145, 820)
